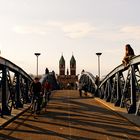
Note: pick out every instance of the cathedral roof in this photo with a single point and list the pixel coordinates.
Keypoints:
(72, 61)
(62, 60)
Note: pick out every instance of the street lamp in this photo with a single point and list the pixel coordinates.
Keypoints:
(98, 54)
(37, 54)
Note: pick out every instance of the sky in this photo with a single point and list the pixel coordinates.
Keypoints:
(69, 27)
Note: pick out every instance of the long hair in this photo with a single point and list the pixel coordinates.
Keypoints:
(130, 50)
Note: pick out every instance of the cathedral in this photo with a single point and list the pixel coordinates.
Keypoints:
(68, 80)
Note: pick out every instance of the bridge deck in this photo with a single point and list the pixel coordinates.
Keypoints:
(70, 117)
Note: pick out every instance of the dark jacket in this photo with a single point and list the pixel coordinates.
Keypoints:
(36, 88)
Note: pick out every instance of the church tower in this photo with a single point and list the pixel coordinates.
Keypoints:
(72, 66)
(62, 66)
(67, 79)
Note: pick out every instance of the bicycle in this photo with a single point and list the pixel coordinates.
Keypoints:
(45, 100)
(35, 106)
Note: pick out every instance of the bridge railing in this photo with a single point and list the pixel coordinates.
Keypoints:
(88, 80)
(14, 86)
(51, 78)
(122, 86)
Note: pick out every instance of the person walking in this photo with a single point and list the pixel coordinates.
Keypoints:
(35, 90)
(47, 89)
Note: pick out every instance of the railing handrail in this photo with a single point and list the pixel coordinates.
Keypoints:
(13, 67)
(89, 75)
(121, 67)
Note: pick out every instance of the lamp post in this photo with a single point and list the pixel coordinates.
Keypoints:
(37, 54)
(98, 54)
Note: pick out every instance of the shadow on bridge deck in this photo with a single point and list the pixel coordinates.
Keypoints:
(69, 116)
(15, 114)
(121, 111)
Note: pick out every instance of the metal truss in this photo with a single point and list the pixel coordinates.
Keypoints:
(122, 86)
(14, 86)
(88, 80)
(50, 77)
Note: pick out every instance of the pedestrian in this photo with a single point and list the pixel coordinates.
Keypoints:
(80, 88)
(35, 90)
(47, 89)
(129, 53)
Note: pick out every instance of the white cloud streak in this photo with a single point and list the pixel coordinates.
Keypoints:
(77, 30)
(30, 29)
(131, 29)
(70, 30)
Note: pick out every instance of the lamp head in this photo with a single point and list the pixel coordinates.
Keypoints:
(37, 54)
(98, 54)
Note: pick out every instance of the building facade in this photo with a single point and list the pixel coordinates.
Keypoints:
(67, 80)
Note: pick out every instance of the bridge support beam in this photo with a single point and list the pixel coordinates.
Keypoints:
(27, 100)
(5, 110)
(18, 96)
(132, 108)
(109, 88)
(118, 101)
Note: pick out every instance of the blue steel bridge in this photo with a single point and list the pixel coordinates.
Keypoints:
(120, 87)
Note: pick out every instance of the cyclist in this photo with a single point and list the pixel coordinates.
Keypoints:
(35, 90)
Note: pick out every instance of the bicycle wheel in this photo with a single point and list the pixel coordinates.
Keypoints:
(34, 106)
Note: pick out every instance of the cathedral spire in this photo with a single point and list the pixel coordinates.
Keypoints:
(72, 66)
(62, 66)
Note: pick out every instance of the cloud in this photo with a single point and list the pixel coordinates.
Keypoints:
(131, 29)
(77, 30)
(121, 33)
(30, 29)
(71, 30)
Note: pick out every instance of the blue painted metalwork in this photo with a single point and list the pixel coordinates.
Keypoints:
(121, 89)
(50, 77)
(121, 86)
(14, 86)
(88, 80)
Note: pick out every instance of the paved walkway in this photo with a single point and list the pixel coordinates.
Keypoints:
(121, 111)
(70, 117)
(15, 113)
